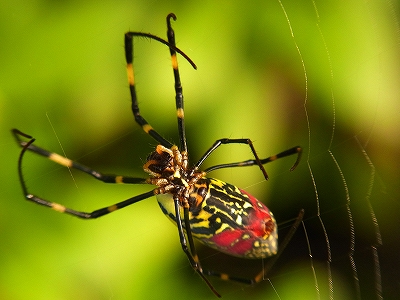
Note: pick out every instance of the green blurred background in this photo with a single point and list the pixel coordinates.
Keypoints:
(62, 66)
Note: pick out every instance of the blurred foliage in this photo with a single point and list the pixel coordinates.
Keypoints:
(62, 71)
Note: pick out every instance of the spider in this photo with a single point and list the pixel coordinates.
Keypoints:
(217, 213)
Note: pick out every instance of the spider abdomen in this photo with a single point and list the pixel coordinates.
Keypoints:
(227, 219)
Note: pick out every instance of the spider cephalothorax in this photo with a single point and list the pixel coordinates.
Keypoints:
(168, 170)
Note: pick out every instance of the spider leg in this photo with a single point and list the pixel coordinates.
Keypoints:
(232, 141)
(189, 251)
(131, 80)
(178, 86)
(135, 105)
(251, 162)
(271, 261)
(85, 215)
(61, 160)
(64, 161)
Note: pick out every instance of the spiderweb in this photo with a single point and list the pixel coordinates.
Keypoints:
(344, 258)
(342, 232)
(344, 248)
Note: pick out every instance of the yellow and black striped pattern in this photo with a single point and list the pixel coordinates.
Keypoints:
(228, 219)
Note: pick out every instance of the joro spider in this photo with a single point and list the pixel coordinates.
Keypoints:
(217, 213)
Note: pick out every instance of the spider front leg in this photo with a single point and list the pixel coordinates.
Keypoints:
(71, 164)
(178, 86)
(140, 120)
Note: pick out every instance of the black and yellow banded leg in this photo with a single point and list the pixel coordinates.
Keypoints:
(135, 106)
(66, 162)
(131, 80)
(178, 86)
(87, 215)
(270, 262)
(251, 162)
(69, 163)
(190, 250)
(225, 141)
